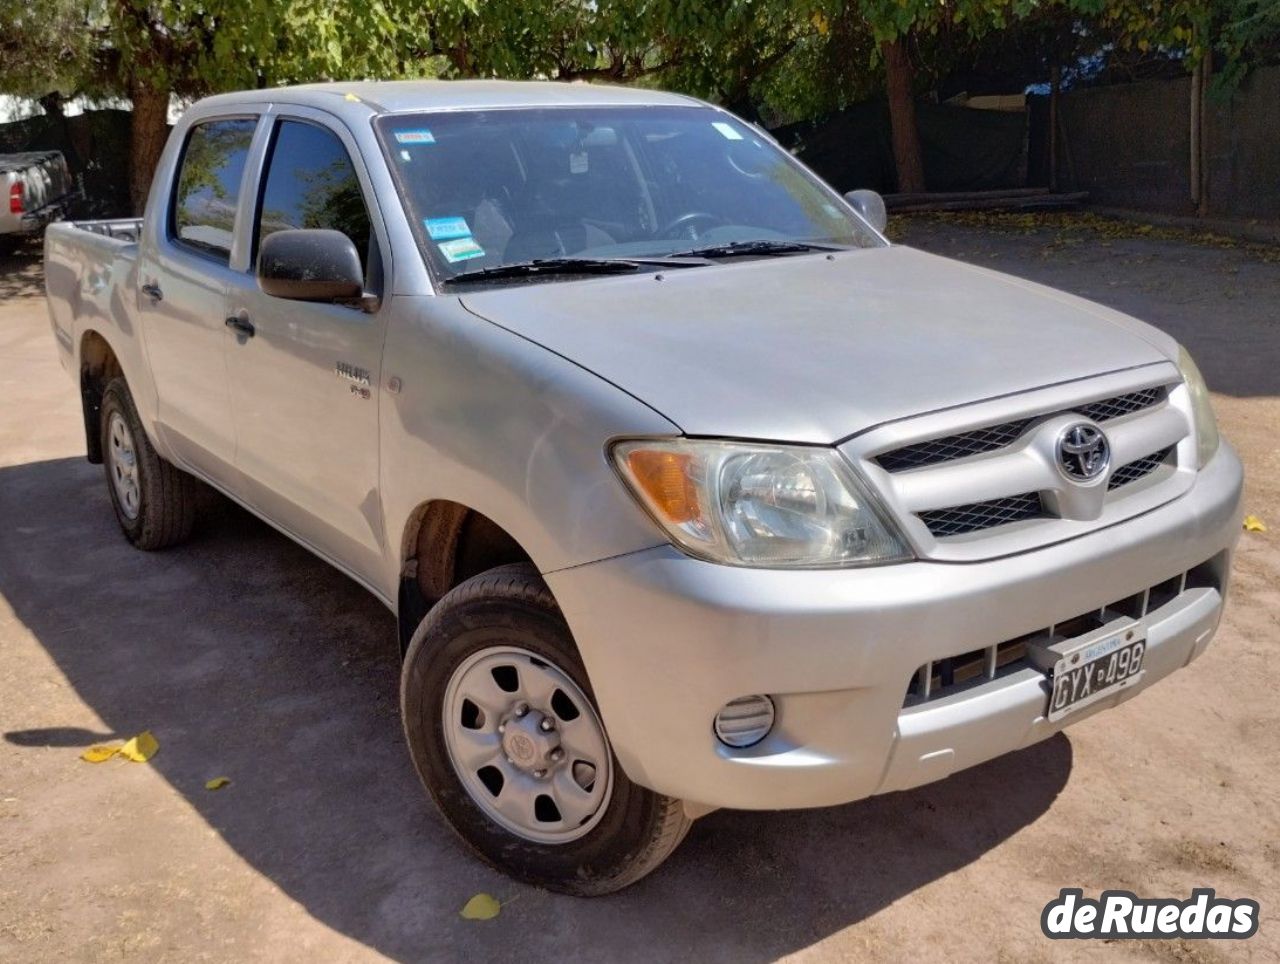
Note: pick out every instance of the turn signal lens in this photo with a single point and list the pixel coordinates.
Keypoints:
(664, 479)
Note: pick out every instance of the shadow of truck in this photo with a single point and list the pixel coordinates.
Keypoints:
(247, 657)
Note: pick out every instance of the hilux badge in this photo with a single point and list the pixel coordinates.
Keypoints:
(1083, 452)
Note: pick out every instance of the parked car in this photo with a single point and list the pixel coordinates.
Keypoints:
(37, 188)
(688, 488)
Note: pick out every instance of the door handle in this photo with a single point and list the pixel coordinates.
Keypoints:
(153, 292)
(241, 324)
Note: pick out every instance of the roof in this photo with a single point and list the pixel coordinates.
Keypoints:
(427, 95)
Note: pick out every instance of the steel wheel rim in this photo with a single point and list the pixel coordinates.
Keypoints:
(527, 745)
(123, 464)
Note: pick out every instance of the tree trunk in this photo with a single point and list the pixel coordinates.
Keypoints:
(902, 117)
(149, 128)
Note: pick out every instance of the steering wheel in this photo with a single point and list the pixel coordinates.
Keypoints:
(686, 226)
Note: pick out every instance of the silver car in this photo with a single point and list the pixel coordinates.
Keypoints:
(688, 488)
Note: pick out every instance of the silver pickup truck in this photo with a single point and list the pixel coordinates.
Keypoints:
(688, 488)
(35, 188)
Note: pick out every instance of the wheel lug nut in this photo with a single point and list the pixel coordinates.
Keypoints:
(540, 774)
(547, 724)
(557, 754)
(522, 709)
(502, 728)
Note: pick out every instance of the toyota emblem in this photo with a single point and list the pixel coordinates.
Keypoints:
(1083, 452)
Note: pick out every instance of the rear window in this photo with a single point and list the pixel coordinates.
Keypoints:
(208, 187)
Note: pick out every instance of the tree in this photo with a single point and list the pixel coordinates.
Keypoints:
(152, 50)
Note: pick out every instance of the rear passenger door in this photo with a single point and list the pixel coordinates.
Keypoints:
(184, 274)
(305, 385)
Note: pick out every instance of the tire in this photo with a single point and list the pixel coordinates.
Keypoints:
(510, 612)
(158, 508)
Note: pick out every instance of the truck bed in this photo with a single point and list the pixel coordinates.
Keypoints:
(90, 270)
(121, 229)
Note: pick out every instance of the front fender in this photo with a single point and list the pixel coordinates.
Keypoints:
(489, 419)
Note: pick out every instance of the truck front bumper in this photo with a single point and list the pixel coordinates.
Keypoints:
(668, 640)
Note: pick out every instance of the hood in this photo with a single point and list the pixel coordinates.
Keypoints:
(807, 349)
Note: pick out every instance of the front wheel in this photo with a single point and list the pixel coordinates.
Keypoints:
(506, 737)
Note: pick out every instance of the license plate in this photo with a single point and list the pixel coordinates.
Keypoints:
(1094, 671)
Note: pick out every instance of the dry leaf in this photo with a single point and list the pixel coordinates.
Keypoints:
(141, 748)
(1253, 524)
(481, 907)
(97, 754)
(217, 783)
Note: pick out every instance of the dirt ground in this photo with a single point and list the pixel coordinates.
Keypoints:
(250, 659)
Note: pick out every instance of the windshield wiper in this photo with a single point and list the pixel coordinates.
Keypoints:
(761, 246)
(551, 266)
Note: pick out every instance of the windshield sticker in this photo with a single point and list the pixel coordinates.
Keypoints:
(578, 163)
(727, 130)
(460, 249)
(442, 229)
(423, 136)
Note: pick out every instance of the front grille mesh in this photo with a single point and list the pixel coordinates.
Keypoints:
(993, 437)
(953, 447)
(1121, 405)
(942, 677)
(960, 519)
(1138, 469)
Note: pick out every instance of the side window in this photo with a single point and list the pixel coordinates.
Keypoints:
(311, 183)
(208, 188)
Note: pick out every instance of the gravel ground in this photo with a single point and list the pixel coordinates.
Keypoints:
(250, 659)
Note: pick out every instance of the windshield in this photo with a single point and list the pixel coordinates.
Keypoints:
(485, 189)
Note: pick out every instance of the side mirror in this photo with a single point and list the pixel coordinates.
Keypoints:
(871, 206)
(310, 264)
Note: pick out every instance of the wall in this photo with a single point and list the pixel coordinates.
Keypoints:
(1129, 146)
(96, 146)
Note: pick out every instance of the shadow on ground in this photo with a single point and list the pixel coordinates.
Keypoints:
(21, 271)
(249, 658)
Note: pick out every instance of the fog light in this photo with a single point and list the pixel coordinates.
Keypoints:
(745, 721)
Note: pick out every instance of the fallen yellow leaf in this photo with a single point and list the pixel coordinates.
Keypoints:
(481, 907)
(97, 754)
(1253, 524)
(141, 748)
(217, 783)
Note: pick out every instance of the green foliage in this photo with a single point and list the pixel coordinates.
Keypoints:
(43, 46)
(788, 56)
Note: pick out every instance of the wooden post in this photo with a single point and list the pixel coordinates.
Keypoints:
(1206, 76)
(1196, 130)
(1055, 89)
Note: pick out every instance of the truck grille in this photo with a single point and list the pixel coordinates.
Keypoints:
(1139, 469)
(943, 677)
(960, 519)
(994, 437)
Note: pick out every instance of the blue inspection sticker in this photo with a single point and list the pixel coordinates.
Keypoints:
(422, 136)
(460, 249)
(442, 229)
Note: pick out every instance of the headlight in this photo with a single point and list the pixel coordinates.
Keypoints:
(1206, 425)
(767, 506)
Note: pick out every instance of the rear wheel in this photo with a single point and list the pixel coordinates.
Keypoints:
(154, 502)
(505, 734)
